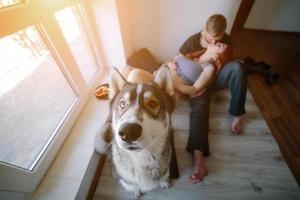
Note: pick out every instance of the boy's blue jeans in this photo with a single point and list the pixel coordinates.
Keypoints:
(231, 76)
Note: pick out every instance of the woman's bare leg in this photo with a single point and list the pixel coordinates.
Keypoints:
(125, 71)
(139, 76)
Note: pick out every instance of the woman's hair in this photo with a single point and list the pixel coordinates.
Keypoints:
(216, 25)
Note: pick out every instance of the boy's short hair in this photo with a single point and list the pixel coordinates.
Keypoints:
(216, 25)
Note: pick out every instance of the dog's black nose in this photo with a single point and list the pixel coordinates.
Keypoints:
(130, 132)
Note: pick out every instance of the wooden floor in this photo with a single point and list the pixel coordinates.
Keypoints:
(249, 166)
(279, 104)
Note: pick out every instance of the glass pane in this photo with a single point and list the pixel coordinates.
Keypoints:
(35, 97)
(6, 3)
(69, 22)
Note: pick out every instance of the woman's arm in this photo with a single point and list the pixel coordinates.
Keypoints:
(201, 83)
(185, 89)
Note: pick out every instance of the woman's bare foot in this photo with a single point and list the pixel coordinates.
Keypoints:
(200, 169)
(237, 125)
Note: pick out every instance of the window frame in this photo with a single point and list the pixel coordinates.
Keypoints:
(41, 14)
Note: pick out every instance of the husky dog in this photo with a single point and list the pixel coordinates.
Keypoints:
(140, 126)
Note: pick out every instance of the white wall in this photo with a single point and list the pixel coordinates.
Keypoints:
(163, 25)
(108, 30)
(278, 15)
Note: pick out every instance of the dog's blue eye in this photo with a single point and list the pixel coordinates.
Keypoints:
(123, 104)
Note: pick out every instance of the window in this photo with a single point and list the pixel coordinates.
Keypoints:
(7, 3)
(35, 97)
(70, 22)
(48, 61)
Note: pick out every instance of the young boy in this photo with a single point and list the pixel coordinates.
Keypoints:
(231, 75)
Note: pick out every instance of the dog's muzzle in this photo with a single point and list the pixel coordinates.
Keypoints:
(130, 132)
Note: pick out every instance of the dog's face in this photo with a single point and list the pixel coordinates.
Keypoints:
(141, 112)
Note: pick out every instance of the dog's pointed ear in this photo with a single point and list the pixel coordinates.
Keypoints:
(164, 79)
(116, 82)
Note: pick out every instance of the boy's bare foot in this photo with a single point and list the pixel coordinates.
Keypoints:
(237, 125)
(200, 169)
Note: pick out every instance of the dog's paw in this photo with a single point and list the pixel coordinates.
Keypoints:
(165, 184)
(101, 146)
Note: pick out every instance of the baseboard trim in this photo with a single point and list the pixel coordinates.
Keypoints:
(91, 177)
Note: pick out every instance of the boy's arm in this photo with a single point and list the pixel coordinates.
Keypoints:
(201, 83)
